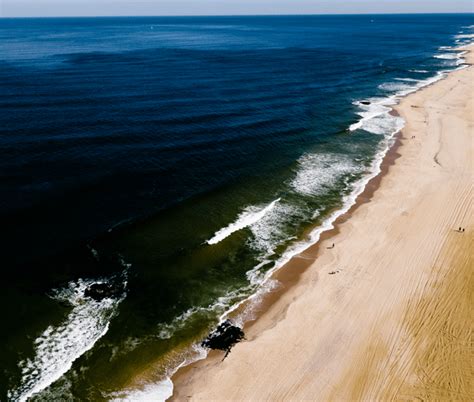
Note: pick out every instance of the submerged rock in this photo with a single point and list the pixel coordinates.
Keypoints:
(102, 290)
(224, 337)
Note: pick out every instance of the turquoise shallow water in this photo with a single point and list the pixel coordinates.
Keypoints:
(184, 158)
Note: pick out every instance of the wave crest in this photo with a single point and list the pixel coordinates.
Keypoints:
(246, 218)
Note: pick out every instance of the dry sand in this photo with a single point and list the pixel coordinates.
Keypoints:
(396, 321)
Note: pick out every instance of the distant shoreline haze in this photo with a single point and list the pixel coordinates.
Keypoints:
(225, 15)
(123, 8)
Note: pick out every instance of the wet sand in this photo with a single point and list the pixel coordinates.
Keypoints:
(385, 314)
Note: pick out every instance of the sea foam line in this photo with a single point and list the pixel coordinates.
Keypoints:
(375, 113)
(381, 108)
(465, 36)
(446, 56)
(246, 218)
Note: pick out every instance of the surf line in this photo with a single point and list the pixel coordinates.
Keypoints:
(244, 219)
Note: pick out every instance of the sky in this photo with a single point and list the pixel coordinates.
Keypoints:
(42, 8)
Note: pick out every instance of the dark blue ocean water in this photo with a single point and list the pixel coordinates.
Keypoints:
(184, 156)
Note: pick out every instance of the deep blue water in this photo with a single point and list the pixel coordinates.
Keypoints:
(130, 142)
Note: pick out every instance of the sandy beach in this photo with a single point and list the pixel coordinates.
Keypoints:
(386, 313)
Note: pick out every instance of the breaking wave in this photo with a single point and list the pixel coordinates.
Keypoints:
(375, 113)
(465, 36)
(56, 349)
(248, 217)
(407, 79)
(272, 229)
(446, 56)
(376, 117)
(318, 172)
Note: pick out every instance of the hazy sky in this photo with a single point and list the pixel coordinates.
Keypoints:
(13, 8)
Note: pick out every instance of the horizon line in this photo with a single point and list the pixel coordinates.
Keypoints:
(228, 15)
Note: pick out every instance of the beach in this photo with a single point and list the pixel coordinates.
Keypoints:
(385, 313)
(304, 176)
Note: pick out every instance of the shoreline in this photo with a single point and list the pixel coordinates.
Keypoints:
(290, 273)
(293, 272)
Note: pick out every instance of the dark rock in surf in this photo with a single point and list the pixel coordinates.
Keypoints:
(224, 337)
(365, 102)
(100, 291)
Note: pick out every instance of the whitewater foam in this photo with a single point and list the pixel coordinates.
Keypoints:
(272, 229)
(158, 391)
(376, 117)
(374, 108)
(394, 86)
(148, 392)
(375, 113)
(446, 56)
(246, 218)
(59, 346)
(407, 79)
(318, 172)
(464, 36)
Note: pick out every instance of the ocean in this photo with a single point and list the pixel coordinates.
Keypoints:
(185, 159)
